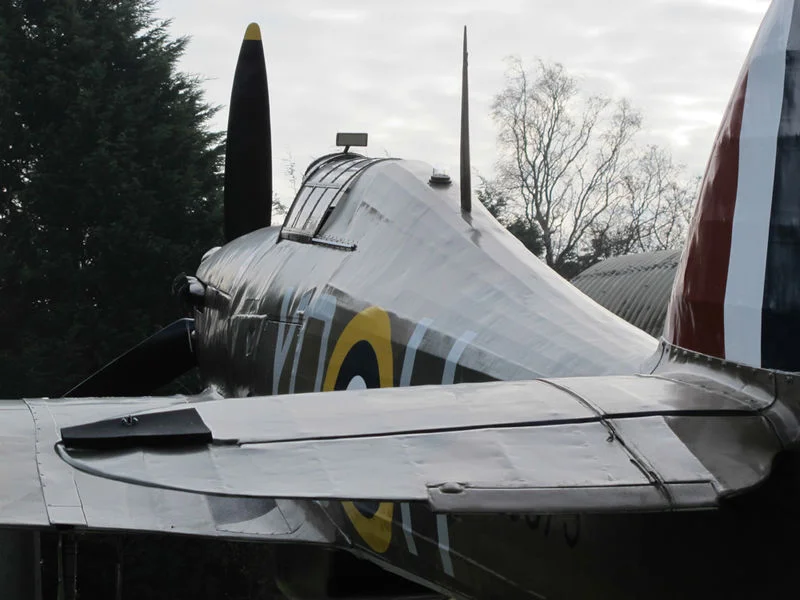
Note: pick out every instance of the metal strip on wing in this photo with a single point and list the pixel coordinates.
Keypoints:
(63, 502)
(21, 499)
(639, 461)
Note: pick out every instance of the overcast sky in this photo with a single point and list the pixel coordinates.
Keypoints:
(392, 67)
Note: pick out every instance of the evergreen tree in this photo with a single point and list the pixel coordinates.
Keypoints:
(109, 185)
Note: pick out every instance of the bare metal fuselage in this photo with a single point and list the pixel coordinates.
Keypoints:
(446, 298)
(276, 307)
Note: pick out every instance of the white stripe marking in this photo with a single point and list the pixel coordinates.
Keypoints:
(282, 343)
(411, 351)
(744, 292)
(302, 307)
(408, 530)
(324, 310)
(444, 544)
(449, 374)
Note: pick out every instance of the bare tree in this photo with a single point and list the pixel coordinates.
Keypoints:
(562, 154)
(290, 169)
(657, 205)
(279, 209)
(570, 164)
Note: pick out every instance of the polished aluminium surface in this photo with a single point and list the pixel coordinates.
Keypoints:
(507, 447)
(705, 431)
(575, 456)
(466, 448)
(40, 490)
(483, 306)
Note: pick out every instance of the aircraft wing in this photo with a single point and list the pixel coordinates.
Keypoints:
(562, 445)
(38, 489)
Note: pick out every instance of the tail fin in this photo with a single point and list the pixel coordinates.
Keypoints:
(737, 290)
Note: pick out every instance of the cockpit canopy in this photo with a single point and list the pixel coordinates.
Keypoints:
(326, 181)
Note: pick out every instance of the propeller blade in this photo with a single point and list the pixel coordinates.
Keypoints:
(144, 368)
(248, 151)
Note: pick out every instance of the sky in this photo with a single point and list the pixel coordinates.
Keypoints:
(392, 68)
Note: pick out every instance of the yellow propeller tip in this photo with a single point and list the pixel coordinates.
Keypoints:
(253, 32)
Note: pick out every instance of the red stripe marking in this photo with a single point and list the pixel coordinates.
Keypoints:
(695, 319)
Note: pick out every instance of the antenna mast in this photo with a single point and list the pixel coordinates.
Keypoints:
(466, 184)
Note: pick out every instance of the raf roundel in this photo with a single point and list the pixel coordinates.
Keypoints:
(362, 358)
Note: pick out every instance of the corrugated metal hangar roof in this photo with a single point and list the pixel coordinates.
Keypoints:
(635, 287)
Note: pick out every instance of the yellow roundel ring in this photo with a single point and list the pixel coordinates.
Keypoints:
(376, 530)
(372, 326)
